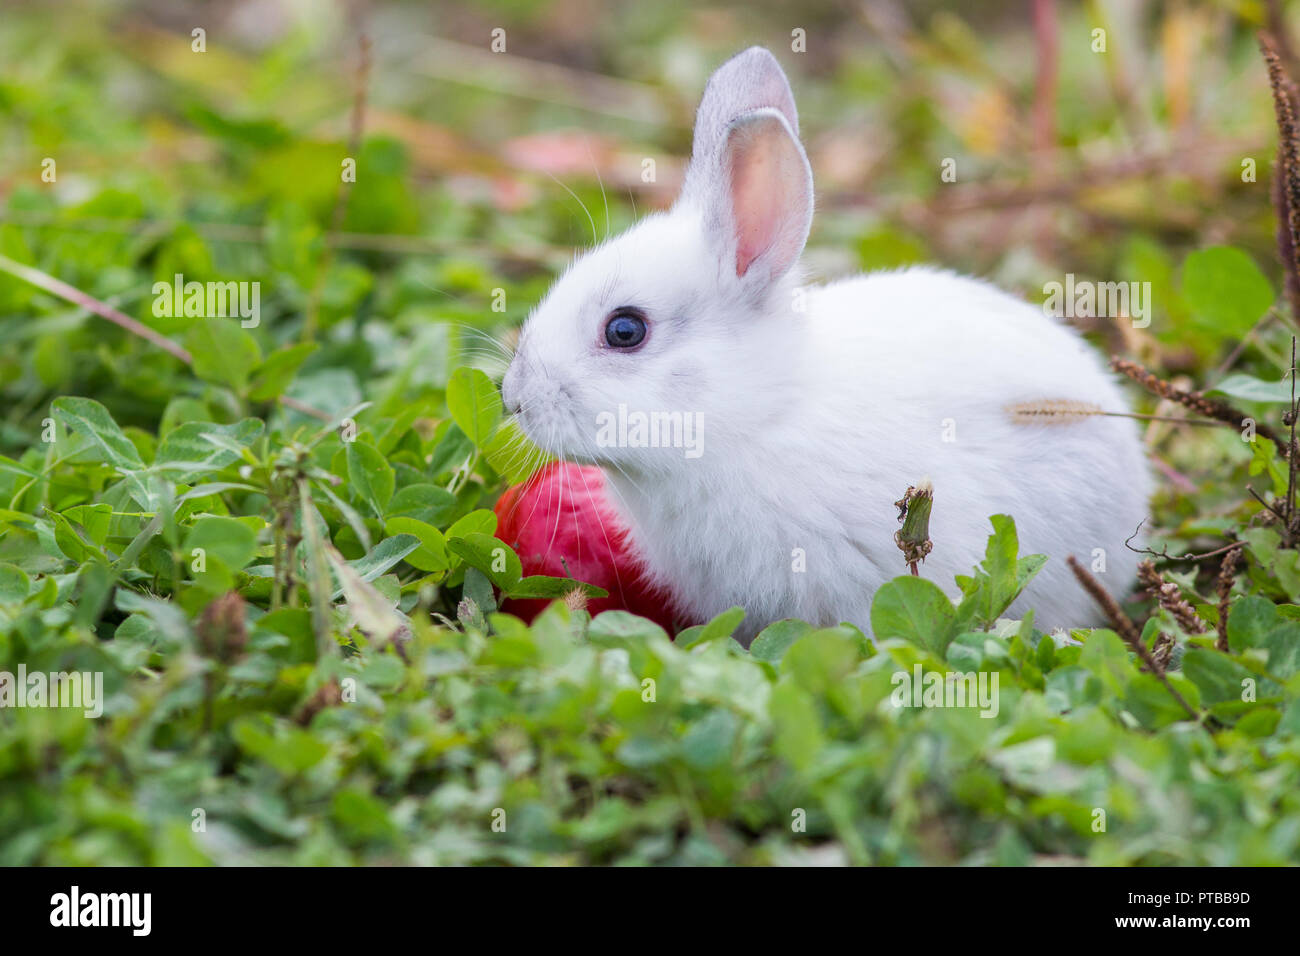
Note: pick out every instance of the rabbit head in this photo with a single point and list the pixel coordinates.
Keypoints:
(691, 311)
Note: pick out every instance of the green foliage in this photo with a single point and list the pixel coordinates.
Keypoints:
(282, 558)
(1225, 289)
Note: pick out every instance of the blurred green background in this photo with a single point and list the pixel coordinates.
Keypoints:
(479, 170)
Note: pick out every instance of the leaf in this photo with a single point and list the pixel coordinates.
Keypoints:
(478, 589)
(474, 403)
(1217, 675)
(1255, 623)
(169, 619)
(289, 750)
(512, 455)
(14, 584)
(1149, 700)
(350, 515)
(775, 639)
(708, 742)
(546, 587)
(481, 521)
(424, 502)
(1251, 389)
(223, 352)
(821, 660)
(618, 628)
(94, 520)
(91, 419)
(371, 476)
(799, 737)
(228, 539)
(195, 448)
(451, 451)
(383, 556)
(1107, 656)
(74, 541)
(490, 555)
(274, 375)
(1282, 563)
(999, 580)
(1226, 289)
(916, 610)
(431, 555)
(319, 584)
(723, 625)
(370, 610)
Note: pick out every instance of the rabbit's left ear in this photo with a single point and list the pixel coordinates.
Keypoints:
(765, 206)
(752, 80)
(749, 175)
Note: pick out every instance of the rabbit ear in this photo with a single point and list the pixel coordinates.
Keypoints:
(749, 175)
(761, 214)
(750, 80)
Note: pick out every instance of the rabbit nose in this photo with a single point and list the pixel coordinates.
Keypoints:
(510, 390)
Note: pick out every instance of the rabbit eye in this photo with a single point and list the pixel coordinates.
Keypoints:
(625, 328)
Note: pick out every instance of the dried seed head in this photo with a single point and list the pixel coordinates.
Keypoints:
(330, 694)
(913, 539)
(223, 635)
(576, 600)
(1051, 411)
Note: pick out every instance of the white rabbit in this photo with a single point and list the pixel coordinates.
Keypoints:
(815, 407)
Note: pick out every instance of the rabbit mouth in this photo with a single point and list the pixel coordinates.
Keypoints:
(549, 425)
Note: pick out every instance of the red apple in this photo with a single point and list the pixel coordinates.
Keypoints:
(560, 524)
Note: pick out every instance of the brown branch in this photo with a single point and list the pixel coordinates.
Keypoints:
(1126, 629)
(1197, 401)
(1120, 621)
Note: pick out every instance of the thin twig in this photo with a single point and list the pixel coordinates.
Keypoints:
(1164, 552)
(47, 282)
(356, 126)
(1126, 629)
(1197, 401)
(1272, 509)
(1120, 621)
(306, 409)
